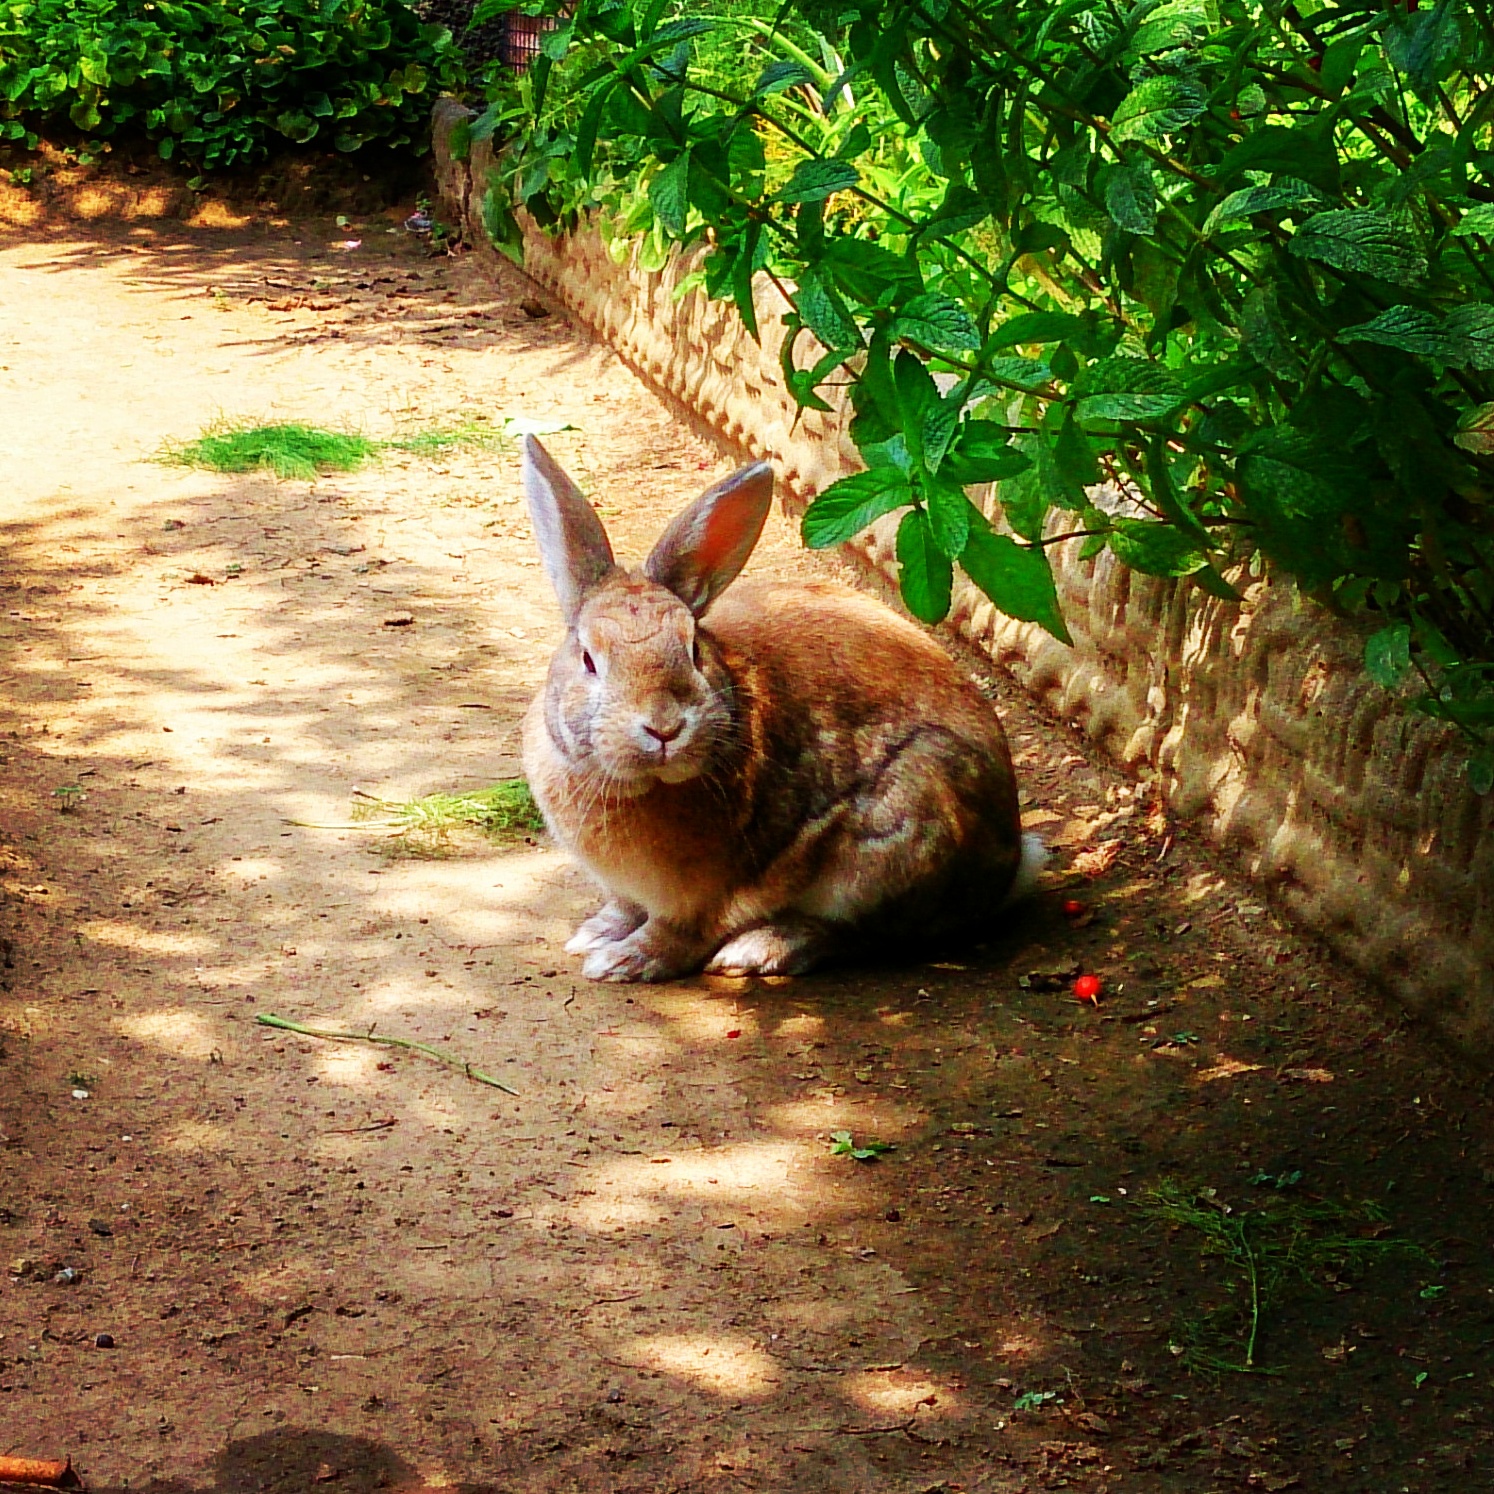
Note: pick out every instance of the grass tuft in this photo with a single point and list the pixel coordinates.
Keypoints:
(287, 450)
(1265, 1250)
(290, 449)
(505, 812)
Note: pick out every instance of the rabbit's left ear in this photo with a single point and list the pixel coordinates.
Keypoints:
(704, 548)
(572, 542)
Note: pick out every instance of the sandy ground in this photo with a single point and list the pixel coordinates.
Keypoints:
(326, 1264)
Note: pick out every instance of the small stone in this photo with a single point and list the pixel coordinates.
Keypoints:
(101, 1227)
(892, 1216)
(80, 1094)
(22, 1266)
(614, 1397)
(66, 1277)
(103, 1340)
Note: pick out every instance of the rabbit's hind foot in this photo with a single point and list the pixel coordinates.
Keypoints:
(789, 946)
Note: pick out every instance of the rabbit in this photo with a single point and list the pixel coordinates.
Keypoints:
(763, 778)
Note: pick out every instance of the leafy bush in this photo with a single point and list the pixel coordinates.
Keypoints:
(222, 83)
(1210, 279)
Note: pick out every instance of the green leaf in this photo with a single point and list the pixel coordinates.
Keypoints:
(1479, 219)
(1125, 389)
(295, 124)
(1286, 193)
(1299, 490)
(1473, 327)
(847, 507)
(669, 194)
(1155, 549)
(822, 310)
(950, 516)
(1157, 106)
(938, 323)
(1387, 655)
(1475, 431)
(843, 1144)
(982, 452)
(1017, 578)
(780, 75)
(1307, 152)
(1073, 457)
(1034, 326)
(1362, 240)
(1206, 578)
(869, 273)
(926, 576)
(1131, 199)
(1266, 336)
(1413, 331)
(814, 181)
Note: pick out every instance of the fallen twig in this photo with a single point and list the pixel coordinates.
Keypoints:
(268, 1019)
(39, 1473)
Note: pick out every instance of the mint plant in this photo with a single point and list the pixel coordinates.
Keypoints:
(1207, 281)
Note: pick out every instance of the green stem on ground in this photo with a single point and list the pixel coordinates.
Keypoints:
(268, 1019)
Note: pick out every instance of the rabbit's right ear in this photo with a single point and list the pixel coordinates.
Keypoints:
(572, 542)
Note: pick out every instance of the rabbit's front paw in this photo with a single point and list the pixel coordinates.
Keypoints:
(612, 923)
(646, 954)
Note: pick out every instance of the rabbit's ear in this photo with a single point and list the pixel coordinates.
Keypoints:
(704, 548)
(572, 542)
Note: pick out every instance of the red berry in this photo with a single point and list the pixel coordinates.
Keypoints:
(1072, 907)
(736, 1032)
(1087, 988)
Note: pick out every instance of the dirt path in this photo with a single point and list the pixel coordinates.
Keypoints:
(322, 1264)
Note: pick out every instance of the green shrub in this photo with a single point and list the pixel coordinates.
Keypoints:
(219, 84)
(1229, 257)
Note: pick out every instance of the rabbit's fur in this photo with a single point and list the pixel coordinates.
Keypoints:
(761, 781)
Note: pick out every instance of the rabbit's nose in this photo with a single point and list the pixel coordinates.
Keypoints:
(663, 734)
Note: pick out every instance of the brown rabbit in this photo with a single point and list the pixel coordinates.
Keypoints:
(759, 780)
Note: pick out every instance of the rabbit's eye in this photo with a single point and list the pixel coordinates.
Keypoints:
(589, 662)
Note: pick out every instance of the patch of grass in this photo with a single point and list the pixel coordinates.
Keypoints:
(290, 449)
(1264, 1251)
(506, 812)
(469, 433)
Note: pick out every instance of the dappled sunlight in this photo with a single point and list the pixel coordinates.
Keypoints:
(801, 1026)
(251, 868)
(897, 1393)
(739, 1171)
(827, 1110)
(349, 1066)
(727, 1365)
(1021, 1345)
(148, 941)
(701, 1018)
(497, 899)
(178, 1033)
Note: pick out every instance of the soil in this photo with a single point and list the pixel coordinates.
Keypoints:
(320, 1263)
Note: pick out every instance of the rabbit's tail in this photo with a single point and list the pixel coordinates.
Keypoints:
(1034, 858)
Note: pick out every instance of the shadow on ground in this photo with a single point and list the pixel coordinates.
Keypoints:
(324, 1264)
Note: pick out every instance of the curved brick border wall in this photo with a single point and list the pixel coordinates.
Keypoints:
(1256, 717)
